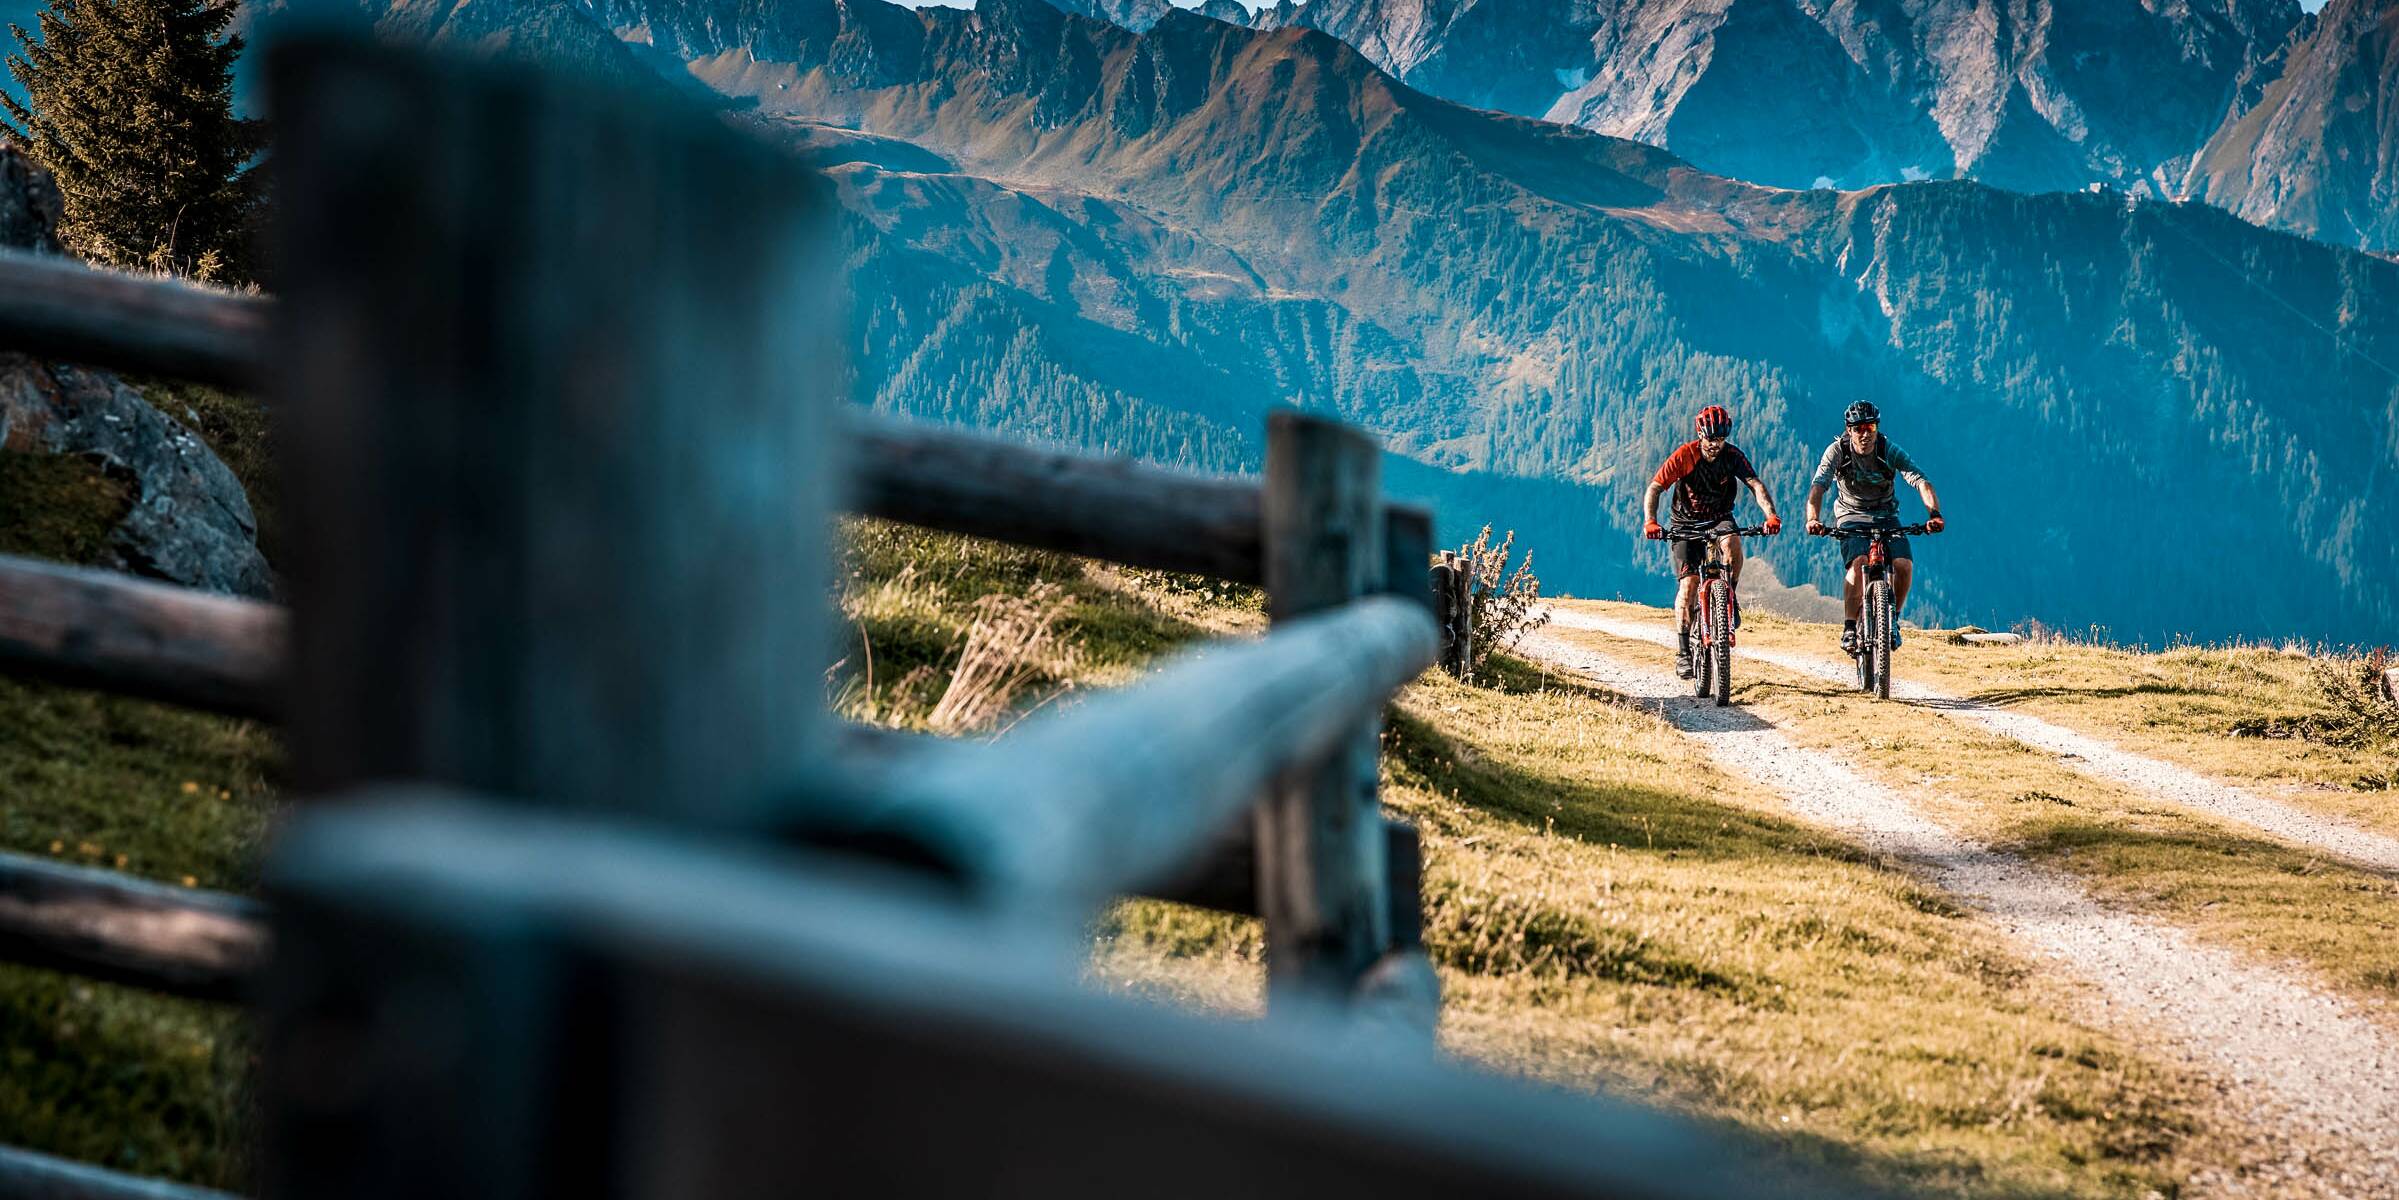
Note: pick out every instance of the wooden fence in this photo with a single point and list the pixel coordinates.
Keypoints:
(587, 894)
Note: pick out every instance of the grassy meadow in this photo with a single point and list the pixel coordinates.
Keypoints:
(1607, 909)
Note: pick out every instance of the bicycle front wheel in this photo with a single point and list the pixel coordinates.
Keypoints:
(1720, 648)
(1886, 626)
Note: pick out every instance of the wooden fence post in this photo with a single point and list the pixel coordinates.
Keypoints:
(1322, 883)
(1445, 610)
(559, 370)
(556, 362)
(1462, 609)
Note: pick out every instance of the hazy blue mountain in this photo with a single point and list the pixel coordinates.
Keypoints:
(1141, 243)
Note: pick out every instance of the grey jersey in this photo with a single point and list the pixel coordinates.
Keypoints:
(1865, 483)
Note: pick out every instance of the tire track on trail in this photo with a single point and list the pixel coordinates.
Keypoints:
(2294, 1056)
(2095, 757)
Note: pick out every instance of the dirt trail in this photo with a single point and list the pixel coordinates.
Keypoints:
(2298, 1058)
(2089, 755)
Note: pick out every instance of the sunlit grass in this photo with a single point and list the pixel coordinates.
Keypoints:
(2189, 705)
(2279, 904)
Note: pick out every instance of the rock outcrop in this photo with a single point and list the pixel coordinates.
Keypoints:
(29, 204)
(190, 521)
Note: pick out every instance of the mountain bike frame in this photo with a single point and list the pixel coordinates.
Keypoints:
(1712, 645)
(1878, 607)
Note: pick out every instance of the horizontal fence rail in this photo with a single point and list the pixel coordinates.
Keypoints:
(153, 640)
(1131, 787)
(1224, 877)
(55, 307)
(111, 926)
(821, 991)
(41, 1177)
(210, 946)
(1111, 508)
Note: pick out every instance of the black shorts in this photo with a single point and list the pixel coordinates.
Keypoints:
(1854, 548)
(1690, 556)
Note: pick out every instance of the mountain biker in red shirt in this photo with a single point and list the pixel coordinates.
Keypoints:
(1704, 473)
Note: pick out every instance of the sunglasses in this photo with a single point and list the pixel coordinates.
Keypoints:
(1714, 441)
(1868, 426)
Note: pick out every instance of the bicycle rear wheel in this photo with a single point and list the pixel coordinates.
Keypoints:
(1720, 647)
(1886, 624)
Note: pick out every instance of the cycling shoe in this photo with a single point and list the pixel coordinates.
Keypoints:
(1849, 642)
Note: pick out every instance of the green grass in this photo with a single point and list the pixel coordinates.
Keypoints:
(58, 508)
(91, 1071)
(2282, 905)
(2292, 720)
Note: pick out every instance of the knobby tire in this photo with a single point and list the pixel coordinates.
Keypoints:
(1886, 625)
(1720, 649)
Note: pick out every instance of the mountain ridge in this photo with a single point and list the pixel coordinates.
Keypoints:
(1546, 302)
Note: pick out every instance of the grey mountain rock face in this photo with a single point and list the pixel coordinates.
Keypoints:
(1136, 15)
(2317, 149)
(1230, 12)
(2030, 95)
(190, 521)
(1278, 15)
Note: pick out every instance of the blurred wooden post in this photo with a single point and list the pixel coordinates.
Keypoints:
(1408, 549)
(1445, 609)
(559, 368)
(1322, 885)
(1462, 611)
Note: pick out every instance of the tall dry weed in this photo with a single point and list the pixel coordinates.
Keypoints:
(1503, 600)
(1012, 640)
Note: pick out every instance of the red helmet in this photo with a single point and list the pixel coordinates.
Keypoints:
(1715, 421)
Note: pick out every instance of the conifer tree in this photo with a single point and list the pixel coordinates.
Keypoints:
(129, 104)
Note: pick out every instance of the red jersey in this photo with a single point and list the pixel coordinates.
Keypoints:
(1704, 491)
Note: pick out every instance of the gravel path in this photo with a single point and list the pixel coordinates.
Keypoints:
(2089, 755)
(2298, 1058)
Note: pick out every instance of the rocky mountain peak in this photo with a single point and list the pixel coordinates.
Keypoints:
(2317, 150)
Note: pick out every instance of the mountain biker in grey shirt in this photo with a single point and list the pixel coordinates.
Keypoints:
(1865, 466)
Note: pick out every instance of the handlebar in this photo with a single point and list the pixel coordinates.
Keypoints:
(1876, 531)
(1749, 531)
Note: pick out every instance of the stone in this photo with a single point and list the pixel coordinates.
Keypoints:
(29, 203)
(190, 522)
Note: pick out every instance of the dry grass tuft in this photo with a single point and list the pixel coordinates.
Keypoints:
(1007, 647)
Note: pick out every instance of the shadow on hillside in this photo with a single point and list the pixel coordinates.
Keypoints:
(2006, 696)
(1631, 816)
(2200, 856)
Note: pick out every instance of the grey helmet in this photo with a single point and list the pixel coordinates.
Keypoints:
(1860, 413)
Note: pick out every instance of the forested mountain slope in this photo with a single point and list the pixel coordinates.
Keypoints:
(1142, 241)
